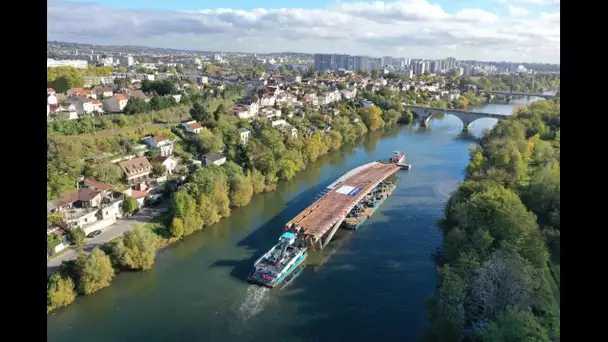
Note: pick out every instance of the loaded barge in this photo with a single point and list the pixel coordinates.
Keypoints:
(347, 203)
(368, 205)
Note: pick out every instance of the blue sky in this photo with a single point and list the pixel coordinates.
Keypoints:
(515, 30)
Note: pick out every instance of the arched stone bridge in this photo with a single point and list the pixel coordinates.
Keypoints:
(426, 113)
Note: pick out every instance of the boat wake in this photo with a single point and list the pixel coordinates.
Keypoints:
(255, 300)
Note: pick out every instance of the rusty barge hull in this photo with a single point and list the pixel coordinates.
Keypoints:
(319, 221)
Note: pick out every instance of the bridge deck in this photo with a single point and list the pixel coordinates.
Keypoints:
(319, 217)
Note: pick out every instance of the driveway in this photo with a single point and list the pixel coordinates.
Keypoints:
(110, 233)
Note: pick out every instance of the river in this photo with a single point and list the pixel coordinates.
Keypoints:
(372, 287)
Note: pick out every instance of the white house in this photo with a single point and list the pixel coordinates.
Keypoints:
(97, 107)
(245, 135)
(177, 97)
(213, 158)
(50, 91)
(163, 143)
(48, 110)
(192, 127)
(68, 109)
(115, 103)
(82, 104)
(267, 100)
(169, 163)
(51, 99)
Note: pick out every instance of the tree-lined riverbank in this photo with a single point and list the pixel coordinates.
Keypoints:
(502, 231)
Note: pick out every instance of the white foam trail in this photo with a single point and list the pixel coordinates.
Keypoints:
(255, 299)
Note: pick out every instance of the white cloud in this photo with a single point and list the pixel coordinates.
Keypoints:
(413, 28)
(517, 11)
(531, 2)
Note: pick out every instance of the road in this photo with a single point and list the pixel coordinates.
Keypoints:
(109, 233)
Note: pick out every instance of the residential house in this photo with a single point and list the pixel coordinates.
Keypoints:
(97, 107)
(348, 94)
(177, 97)
(68, 109)
(140, 95)
(77, 91)
(103, 92)
(245, 135)
(48, 110)
(366, 104)
(267, 100)
(51, 99)
(169, 163)
(164, 144)
(137, 172)
(115, 103)
(242, 113)
(213, 158)
(50, 91)
(83, 104)
(251, 105)
(78, 207)
(192, 127)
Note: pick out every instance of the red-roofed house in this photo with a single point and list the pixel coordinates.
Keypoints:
(50, 91)
(192, 127)
(77, 91)
(115, 103)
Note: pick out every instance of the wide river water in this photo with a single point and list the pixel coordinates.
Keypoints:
(366, 285)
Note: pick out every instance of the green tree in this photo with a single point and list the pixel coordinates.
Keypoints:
(94, 270)
(514, 326)
(372, 117)
(209, 142)
(76, 236)
(129, 205)
(177, 227)
(158, 170)
(257, 181)
(241, 191)
(108, 173)
(202, 115)
(141, 245)
(60, 292)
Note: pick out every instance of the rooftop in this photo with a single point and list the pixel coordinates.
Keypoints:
(135, 166)
(80, 194)
(213, 156)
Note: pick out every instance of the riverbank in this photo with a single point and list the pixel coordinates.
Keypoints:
(198, 290)
(513, 180)
(209, 196)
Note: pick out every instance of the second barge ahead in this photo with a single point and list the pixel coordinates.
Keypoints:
(368, 205)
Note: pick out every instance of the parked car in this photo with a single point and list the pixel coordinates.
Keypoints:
(94, 233)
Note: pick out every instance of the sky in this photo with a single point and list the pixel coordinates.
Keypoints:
(488, 30)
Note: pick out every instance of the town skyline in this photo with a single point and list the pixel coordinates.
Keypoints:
(287, 53)
(494, 30)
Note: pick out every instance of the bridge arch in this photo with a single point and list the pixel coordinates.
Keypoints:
(425, 114)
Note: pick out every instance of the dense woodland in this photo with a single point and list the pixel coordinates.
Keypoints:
(500, 281)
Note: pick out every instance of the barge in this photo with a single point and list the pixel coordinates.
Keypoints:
(368, 205)
(280, 262)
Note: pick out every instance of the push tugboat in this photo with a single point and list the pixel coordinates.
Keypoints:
(280, 261)
(399, 159)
